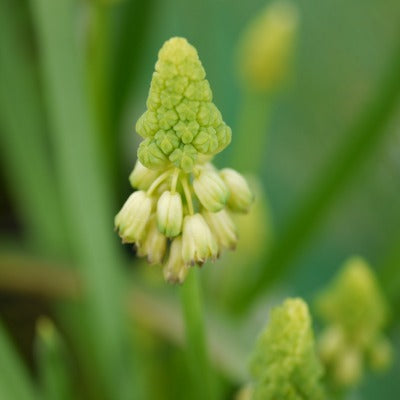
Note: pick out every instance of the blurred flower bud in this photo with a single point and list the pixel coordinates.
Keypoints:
(198, 243)
(142, 177)
(154, 244)
(331, 343)
(240, 196)
(210, 190)
(267, 47)
(223, 228)
(380, 354)
(348, 368)
(170, 214)
(131, 221)
(175, 270)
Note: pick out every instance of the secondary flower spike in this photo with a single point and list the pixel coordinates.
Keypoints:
(180, 216)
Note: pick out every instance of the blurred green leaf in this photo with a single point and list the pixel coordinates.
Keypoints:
(15, 383)
(85, 193)
(23, 145)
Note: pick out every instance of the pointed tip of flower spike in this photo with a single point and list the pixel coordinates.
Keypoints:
(181, 122)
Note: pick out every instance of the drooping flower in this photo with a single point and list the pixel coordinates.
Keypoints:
(178, 217)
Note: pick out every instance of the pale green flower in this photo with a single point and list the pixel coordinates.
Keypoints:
(198, 243)
(175, 270)
(132, 220)
(285, 365)
(154, 244)
(182, 130)
(210, 190)
(170, 214)
(240, 196)
(223, 228)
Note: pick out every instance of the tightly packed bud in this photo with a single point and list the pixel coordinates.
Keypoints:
(142, 177)
(210, 190)
(285, 365)
(182, 131)
(131, 221)
(175, 270)
(154, 244)
(223, 228)
(198, 243)
(181, 122)
(240, 196)
(170, 214)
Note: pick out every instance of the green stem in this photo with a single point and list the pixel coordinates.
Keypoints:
(251, 132)
(358, 144)
(195, 335)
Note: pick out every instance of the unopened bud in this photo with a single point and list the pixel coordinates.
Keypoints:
(210, 190)
(223, 228)
(240, 195)
(170, 214)
(198, 243)
(175, 270)
(132, 220)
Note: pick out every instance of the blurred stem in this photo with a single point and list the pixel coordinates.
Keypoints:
(192, 306)
(358, 144)
(24, 152)
(53, 365)
(249, 143)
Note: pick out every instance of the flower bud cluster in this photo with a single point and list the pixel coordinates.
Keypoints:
(180, 214)
(355, 313)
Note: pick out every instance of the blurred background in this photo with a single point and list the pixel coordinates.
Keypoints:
(323, 155)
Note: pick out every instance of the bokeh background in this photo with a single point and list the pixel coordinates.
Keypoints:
(74, 77)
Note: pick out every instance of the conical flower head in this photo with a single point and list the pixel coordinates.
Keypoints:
(181, 122)
(285, 365)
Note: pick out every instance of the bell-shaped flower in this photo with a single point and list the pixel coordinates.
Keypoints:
(175, 270)
(170, 214)
(210, 190)
(132, 220)
(154, 244)
(240, 197)
(223, 228)
(198, 243)
(142, 177)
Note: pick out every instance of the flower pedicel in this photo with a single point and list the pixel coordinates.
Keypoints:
(179, 216)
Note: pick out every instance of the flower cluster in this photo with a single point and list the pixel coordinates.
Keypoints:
(355, 312)
(180, 214)
(285, 365)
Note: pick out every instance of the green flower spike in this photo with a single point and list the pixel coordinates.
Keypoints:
(285, 365)
(355, 313)
(180, 218)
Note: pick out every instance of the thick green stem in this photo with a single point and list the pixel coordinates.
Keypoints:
(251, 134)
(195, 336)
